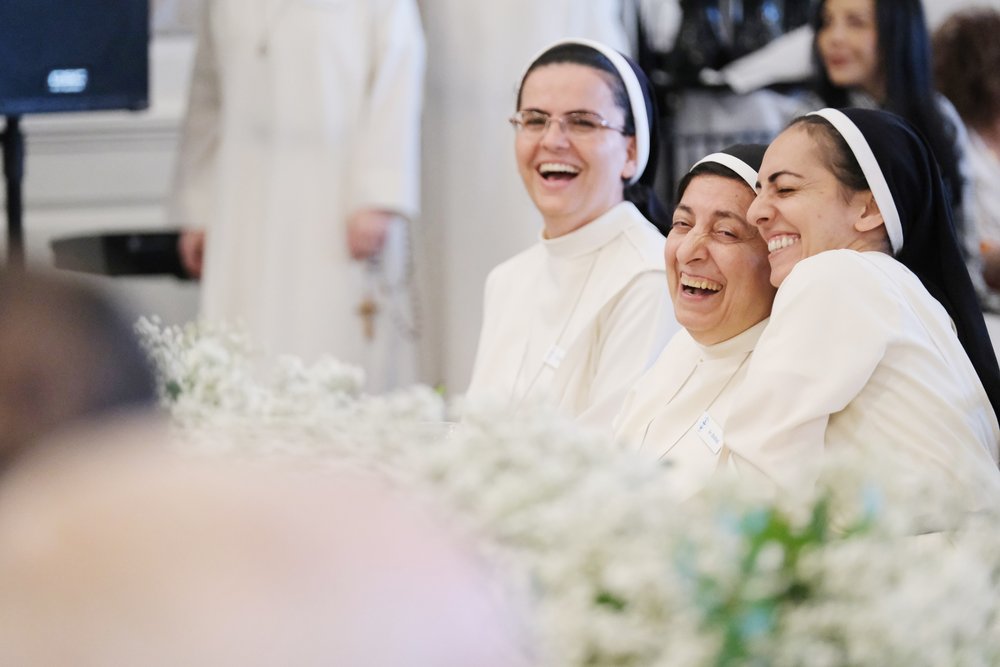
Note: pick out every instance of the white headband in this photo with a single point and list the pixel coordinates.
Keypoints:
(873, 173)
(636, 100)
(742, 169)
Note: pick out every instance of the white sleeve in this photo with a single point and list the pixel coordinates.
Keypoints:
(195, 169)
(385, 166)
(828, 331)
(967, 221)
(632, 334)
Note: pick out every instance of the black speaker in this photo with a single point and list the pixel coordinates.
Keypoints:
(121, 254)
(73, 55)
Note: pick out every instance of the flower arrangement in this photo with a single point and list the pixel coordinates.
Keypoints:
(619, 573)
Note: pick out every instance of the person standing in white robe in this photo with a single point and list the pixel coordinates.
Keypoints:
(576, 318)
(475, 212)
(298, 172)
(720, 285)
(967, 72)
(875, 341)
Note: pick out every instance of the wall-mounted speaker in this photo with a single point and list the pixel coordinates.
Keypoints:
(73, 55)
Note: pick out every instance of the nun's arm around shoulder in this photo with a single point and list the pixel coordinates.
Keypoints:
(829, 328)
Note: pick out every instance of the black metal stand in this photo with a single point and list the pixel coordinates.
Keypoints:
(13, 170)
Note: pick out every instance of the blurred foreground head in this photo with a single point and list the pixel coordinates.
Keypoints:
(138, 560)
(67, 353)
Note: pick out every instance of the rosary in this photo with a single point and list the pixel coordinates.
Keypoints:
(367, 310)
(377, 283)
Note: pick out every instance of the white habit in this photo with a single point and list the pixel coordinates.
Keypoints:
(677, 411)
(858, 353)
(575, 320)
(475, 210)
(302, 112)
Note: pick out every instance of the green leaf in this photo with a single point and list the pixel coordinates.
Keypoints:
(605, 599)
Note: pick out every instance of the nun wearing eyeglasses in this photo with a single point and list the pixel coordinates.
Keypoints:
(875, 340)
(576, 318)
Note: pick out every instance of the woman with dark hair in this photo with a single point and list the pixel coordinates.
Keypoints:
(967, 72)
(876, 54)
(719, 280)
(577, 317)
(875, 338)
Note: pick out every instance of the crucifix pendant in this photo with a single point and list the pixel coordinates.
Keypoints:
(368, 309)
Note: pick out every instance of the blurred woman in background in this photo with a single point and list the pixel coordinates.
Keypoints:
(876, 54)
(967, 72)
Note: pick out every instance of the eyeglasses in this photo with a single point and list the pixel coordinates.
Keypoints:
(575, 124)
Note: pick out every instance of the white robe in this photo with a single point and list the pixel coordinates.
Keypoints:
(575, 320)
(476, 212)
(984, 167)
(302, 112)
(677, 411)
(857, 353)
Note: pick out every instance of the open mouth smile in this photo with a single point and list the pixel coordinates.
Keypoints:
(781, 242)
(558, 171)
(699, 286)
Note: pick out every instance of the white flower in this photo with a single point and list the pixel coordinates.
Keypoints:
(621, 575)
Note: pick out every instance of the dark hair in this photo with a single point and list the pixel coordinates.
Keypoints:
(837, 156)
(640, 193)
(905, 60)
(749, 154)
(930, 249)
(967, 64)
(707, 168)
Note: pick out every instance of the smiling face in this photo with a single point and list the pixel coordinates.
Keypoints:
(847, 41)
(802, 209)
(717, 265)
(573, 180)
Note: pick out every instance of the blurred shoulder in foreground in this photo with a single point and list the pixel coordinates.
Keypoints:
(133, 557)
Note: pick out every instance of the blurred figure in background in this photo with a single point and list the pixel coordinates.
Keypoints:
(475, 210)
(120, 557)
(298, 173)
(876, 54)
(69, 355)
(967, 71)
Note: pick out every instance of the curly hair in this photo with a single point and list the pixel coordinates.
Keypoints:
(967, 64)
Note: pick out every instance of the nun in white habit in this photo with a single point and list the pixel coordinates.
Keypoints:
(875, 338)
(476, 53)
(299, 156)
(719, 280)
(575, 319)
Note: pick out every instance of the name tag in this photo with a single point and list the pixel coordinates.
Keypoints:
(554, 356)
(709, 432)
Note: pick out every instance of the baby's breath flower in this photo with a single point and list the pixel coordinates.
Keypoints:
(865, 573)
